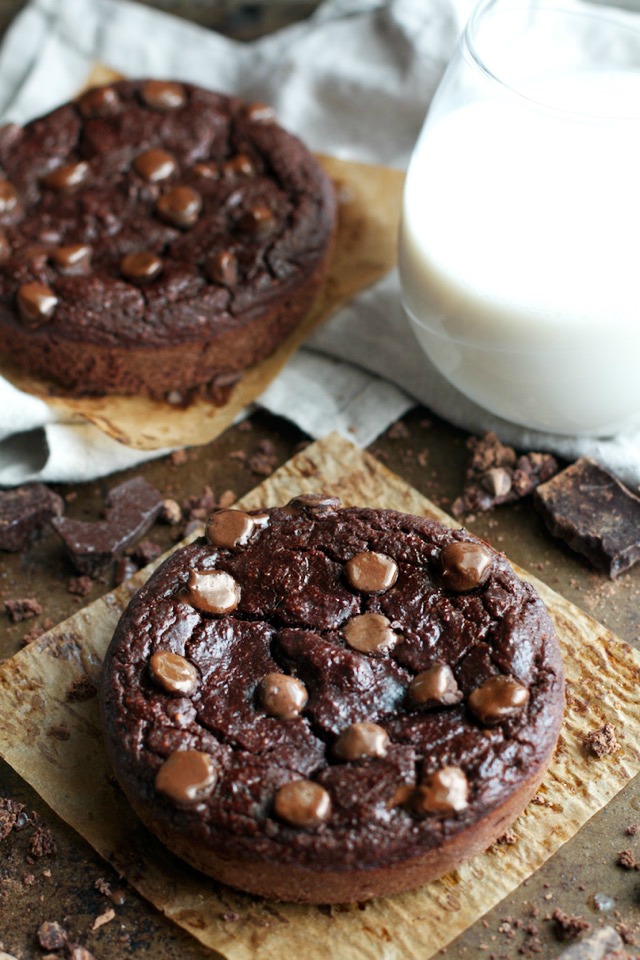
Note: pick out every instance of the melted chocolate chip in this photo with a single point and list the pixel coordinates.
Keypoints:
(260, 112)
(186, 777)
(361, 741)
(99, 102)
(371, 572)
(303, 803)
(238, 166)
(173, 673)
(67, 177)
(213, 591)
(257, 220)
(141, 266)
(315, 503)
(435, 687)
(498, 699)
(222, 268)
(155, 165)
(180, 206)
(442, 793)
(163, 94)
(230, 528)
(465, 566)
(72, 260)
(8, 197)
(36, 303)
(370, 633)
(282, 696)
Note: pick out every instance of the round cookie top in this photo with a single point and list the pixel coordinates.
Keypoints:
(146, 210)
(338, 688)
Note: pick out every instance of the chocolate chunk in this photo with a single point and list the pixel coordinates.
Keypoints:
(155, 165)
(371, 572)
(8, 197)
(303, 803)
(186, 777)
(594, 513)
(213, 591)
(99, 102)
(435, 687)
(465, 566)
(67, 177)
(238, 166)
(24, 510)
(370, 633)
(223, 268)
(442, 793)
(92, 546)
(72, 260)
(361, 741)
(37, 303)
(180, 206)
(173, 673)
(257, 220)
(282, 696)
(230, 528)
(498, 699)
(163, 94)
(141, 266)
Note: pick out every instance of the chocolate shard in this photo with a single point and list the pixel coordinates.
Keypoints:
(92, 546)
(24, 510)
(594, 513)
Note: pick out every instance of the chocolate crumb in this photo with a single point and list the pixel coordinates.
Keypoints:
(226, 498)
(145, 552)
(42, 844)
(567, 927)
(398, 431)
(80, 586)
(627, 860)
(171, 512)
(178, 457)
(199, 507)
(632, 829)
(508, 838)
(13, 816)
(602, 742)
(37, 631)
(52, 935)
(22, 608)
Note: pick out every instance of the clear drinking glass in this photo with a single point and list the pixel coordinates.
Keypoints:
(519, 244)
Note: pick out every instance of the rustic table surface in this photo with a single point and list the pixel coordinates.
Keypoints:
(430, 455)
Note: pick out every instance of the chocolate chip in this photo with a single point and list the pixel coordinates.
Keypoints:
(36, 303)
(498, 699)
(315, 503)
(163, 94)
(155, 165)
(144, 265)
(442, 793)
(260, 112)
(173, 673)
(186, 777)
(213, 591)
(435, 687)
(230, 528)
(222, 268)
(8, 197)
(497, 481)
(180, 206)
(209, 171)
(238, 166)
(282, 696)
(303, 803)
(257, 220)
(67, 177)
(465, 566)
(72, 260)
(371, 572)
(361, 741)
(370, 633)
(99, 102)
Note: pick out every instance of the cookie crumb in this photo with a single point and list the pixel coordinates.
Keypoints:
(568, 927)
(51, 935)
(626, 860)
(80, 586)
(602, 742)
(22, 608)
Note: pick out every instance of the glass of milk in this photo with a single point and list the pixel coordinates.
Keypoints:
(520, 236)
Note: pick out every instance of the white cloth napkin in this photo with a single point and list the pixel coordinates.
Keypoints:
(354, 80)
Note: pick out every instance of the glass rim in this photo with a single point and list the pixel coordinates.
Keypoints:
(598, 15)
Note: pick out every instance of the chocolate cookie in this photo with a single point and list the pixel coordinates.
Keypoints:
(156, 238)
(327, 704)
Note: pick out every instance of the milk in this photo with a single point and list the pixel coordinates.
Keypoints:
(520, 251)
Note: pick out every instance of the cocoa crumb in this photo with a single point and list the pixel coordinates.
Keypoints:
(42, 844)
(263, 462)
(626, 860)
(22, 608)
(80, 586)
(51, 935)
(178, 457)
(567, 927)
(80, 689)
(602, 742)
(199, 507)
(28, 880)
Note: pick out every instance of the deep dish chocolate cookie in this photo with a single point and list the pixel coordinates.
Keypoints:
(156, 238)
(328, 704)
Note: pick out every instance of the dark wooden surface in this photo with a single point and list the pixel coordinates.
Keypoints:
(62, 887)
